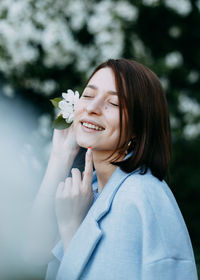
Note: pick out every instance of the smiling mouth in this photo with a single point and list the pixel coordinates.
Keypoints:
(92, 126)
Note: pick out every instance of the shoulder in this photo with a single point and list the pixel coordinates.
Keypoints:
(160, 217)
(148, 194)
(147, 189)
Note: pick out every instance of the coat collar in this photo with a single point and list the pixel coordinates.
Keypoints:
(89, 233)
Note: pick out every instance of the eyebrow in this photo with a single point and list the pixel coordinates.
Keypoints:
(95, 88)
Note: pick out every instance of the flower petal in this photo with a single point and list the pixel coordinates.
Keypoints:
(61, 104)
(71, 118)
(65, 115)
(68, 97)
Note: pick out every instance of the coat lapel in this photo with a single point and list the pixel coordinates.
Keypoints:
(89, 233)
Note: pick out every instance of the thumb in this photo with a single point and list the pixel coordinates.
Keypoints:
(88, 172)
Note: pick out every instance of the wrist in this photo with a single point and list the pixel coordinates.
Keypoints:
(57, 170)
(68, 154)
(68, 230)
(63, 158)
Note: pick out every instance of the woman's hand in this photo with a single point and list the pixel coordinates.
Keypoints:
(73, 199)
(64, 141)
(43, 230)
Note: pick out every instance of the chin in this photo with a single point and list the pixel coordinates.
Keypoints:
(83, 143)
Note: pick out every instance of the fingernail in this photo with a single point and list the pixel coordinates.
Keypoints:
(89, 151)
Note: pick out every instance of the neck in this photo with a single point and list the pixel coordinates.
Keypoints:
(103, 168)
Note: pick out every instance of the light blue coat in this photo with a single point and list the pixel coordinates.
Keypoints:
(133, 231)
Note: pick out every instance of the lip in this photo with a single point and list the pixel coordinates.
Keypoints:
(92, 122)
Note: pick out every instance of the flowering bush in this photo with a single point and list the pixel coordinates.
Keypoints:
(46, 31)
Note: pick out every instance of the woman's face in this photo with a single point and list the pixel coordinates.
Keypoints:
(97, 113)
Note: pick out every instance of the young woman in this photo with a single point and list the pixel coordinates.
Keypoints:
(122, 221)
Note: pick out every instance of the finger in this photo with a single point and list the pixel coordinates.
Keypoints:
(60, 189)
(57, 133)
(68, 185)
(88, 172)
(76, 180)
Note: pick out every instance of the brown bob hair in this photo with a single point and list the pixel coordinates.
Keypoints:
(142, 99)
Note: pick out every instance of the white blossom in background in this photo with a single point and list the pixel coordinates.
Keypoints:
(85, 56)
(47, 87)
(51, 24)
(193, 76)
(191, 110)
(175, 31)
(78, 12)
(165, 83)
(182, 7)
(16, 31)
(105, 24)
(150, 2)
(140, 50)
(126, 11)
(189, 105)
(174, 59)
(191, 131)
(174, 122)
(198, 4)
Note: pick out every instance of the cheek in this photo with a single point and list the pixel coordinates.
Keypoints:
(114, 119)
(114, 125)
(78, 110)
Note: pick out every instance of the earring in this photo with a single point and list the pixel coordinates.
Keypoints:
(129, 143)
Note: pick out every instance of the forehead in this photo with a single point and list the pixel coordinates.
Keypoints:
(103, 79)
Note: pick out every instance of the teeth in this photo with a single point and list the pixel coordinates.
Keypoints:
(89, 125)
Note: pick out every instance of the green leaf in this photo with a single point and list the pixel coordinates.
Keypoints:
(60, 123)
(55, 101)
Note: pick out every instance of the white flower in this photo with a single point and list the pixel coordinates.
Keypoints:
(68, 104)
(70, 96)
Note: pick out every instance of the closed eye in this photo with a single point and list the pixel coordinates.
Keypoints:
(116, 105)
(85, 95)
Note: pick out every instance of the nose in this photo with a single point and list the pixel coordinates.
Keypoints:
(94, 107)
